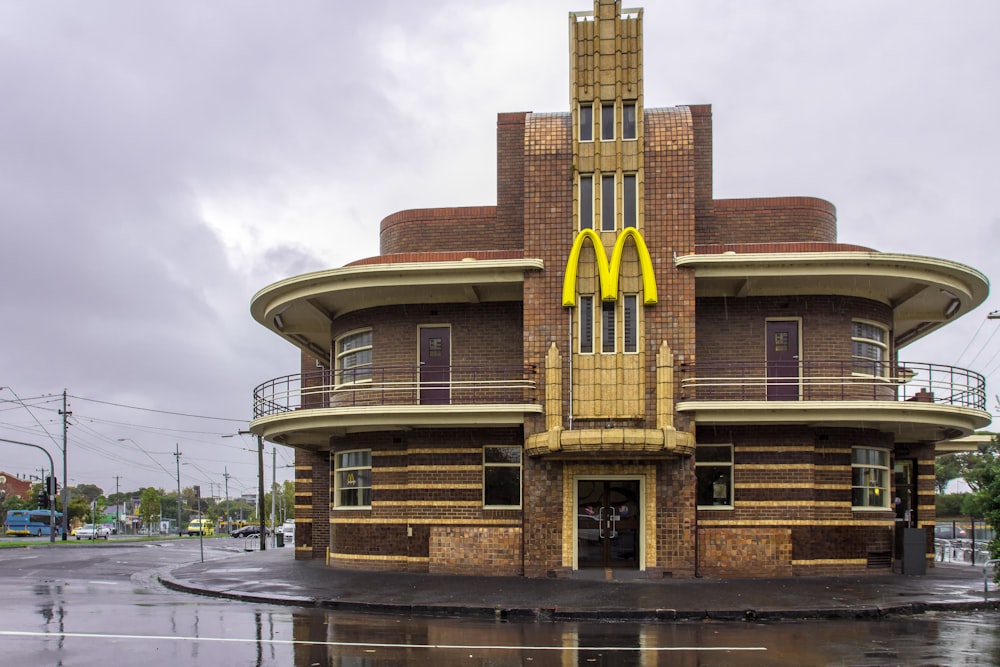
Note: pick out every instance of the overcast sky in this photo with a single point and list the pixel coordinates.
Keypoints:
(161, 162)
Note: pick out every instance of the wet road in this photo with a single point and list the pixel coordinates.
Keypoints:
(99, 604)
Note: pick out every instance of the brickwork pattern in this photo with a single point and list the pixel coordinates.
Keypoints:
(758, 552)
(312, 506)
(773, 220)
(475, 550)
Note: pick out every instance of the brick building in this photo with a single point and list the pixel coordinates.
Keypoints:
(610, 370)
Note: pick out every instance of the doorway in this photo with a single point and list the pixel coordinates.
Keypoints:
(607, 523)
(783, 360)
(435, 365)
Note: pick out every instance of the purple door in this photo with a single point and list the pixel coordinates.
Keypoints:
(783, 360)
(435, 365)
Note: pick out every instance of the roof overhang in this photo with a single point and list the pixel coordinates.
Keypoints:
(312, 429)
(906, 421)
(301, 309)
(924, 293)
(967, 444)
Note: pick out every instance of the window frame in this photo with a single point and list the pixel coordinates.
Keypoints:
(609, 208)
(586, 212)
(338, 488)
(609, 314)
(630, 322)
(586, 111)
(488, 465)
(340, 355)
(865, 365)
(634, 125)
(585, 324)
(721, 465)
(878, 489)
(630, 200)
(607, 128)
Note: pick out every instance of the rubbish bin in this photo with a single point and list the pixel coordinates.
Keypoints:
(279, 538)
(914, 551)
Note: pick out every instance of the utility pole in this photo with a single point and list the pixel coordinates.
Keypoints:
(225, 476)
(260, 492)
(274, 484)
(118, 507)
(177, 455)
(65, 490)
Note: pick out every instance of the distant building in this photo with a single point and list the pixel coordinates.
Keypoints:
(11, 486)
(612, 370)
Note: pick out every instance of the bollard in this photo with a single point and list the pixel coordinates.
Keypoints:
(986, 581)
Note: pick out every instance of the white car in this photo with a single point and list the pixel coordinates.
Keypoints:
(91, 532)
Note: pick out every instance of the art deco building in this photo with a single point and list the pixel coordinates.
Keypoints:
(612, 370)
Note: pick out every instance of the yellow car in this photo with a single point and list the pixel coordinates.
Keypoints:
(200, 527)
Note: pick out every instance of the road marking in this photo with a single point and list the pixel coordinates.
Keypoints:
(106, 583)
(464, 647)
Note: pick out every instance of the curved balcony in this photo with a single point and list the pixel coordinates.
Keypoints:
(309, 408)
(916, 402)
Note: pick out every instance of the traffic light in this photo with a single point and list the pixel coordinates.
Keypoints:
(52, 486)
(43, 500)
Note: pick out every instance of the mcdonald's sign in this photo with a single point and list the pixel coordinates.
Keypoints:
(609, 274)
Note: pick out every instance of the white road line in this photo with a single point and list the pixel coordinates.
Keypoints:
(470, 647)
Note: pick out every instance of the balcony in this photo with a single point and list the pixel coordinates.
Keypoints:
(916, 402)
(308, 408)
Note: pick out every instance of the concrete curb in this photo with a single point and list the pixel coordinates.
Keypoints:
(554, 614)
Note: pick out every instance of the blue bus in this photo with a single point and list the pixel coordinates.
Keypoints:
(31, 522)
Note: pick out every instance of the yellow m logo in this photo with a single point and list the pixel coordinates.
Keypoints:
(608, 275)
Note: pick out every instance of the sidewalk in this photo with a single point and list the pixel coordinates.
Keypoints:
(273, 576)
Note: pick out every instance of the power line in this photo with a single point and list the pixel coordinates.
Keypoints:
(162, 412)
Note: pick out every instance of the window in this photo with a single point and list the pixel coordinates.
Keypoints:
(869, 478)
(630, 201)
(869, 348)
(608, 122)
(629, 130)
(630, 323)
(353, 479)
(586, 325)
(354, 357)
(586, 122)
(713, 468)
(502, 476)
(607, 326)
(608, 203)
(586, 202)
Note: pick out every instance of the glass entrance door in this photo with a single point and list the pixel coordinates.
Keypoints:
(607, 523)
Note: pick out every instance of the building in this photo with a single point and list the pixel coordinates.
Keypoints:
(11, 486)
(612, 371)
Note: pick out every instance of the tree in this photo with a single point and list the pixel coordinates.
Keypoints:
(149, 507)
(90, 492)
(947, 468)
(983, 476)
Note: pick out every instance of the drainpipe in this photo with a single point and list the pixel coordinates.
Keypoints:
(569, 356)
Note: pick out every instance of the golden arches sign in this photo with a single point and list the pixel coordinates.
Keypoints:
(609, 274)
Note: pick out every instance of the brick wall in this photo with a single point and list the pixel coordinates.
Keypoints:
(312, 493)
(774, 219)
(475, 550)
(443, 230)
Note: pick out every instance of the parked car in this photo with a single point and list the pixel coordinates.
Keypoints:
(287, 529)
(246, 531)
(200, 527)
(111, 528)
(91, 532)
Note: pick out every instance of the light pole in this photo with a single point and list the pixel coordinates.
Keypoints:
(177, 455)
(52, 514)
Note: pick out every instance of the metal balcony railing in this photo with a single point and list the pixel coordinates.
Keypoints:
(832, 380)
(394, 386)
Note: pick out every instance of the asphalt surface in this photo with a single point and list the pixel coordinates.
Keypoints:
(274, 576)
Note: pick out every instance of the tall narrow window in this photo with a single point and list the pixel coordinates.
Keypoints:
(586, 309)
(630, 201)
(586, 122)
(869, 349)
(502, 476)
(630, 323)
(353, 479)
(608, 121)
(608, 203)
(869, 478)
(629, 130)
(607, 326)
(354, 357)
(586, 201)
